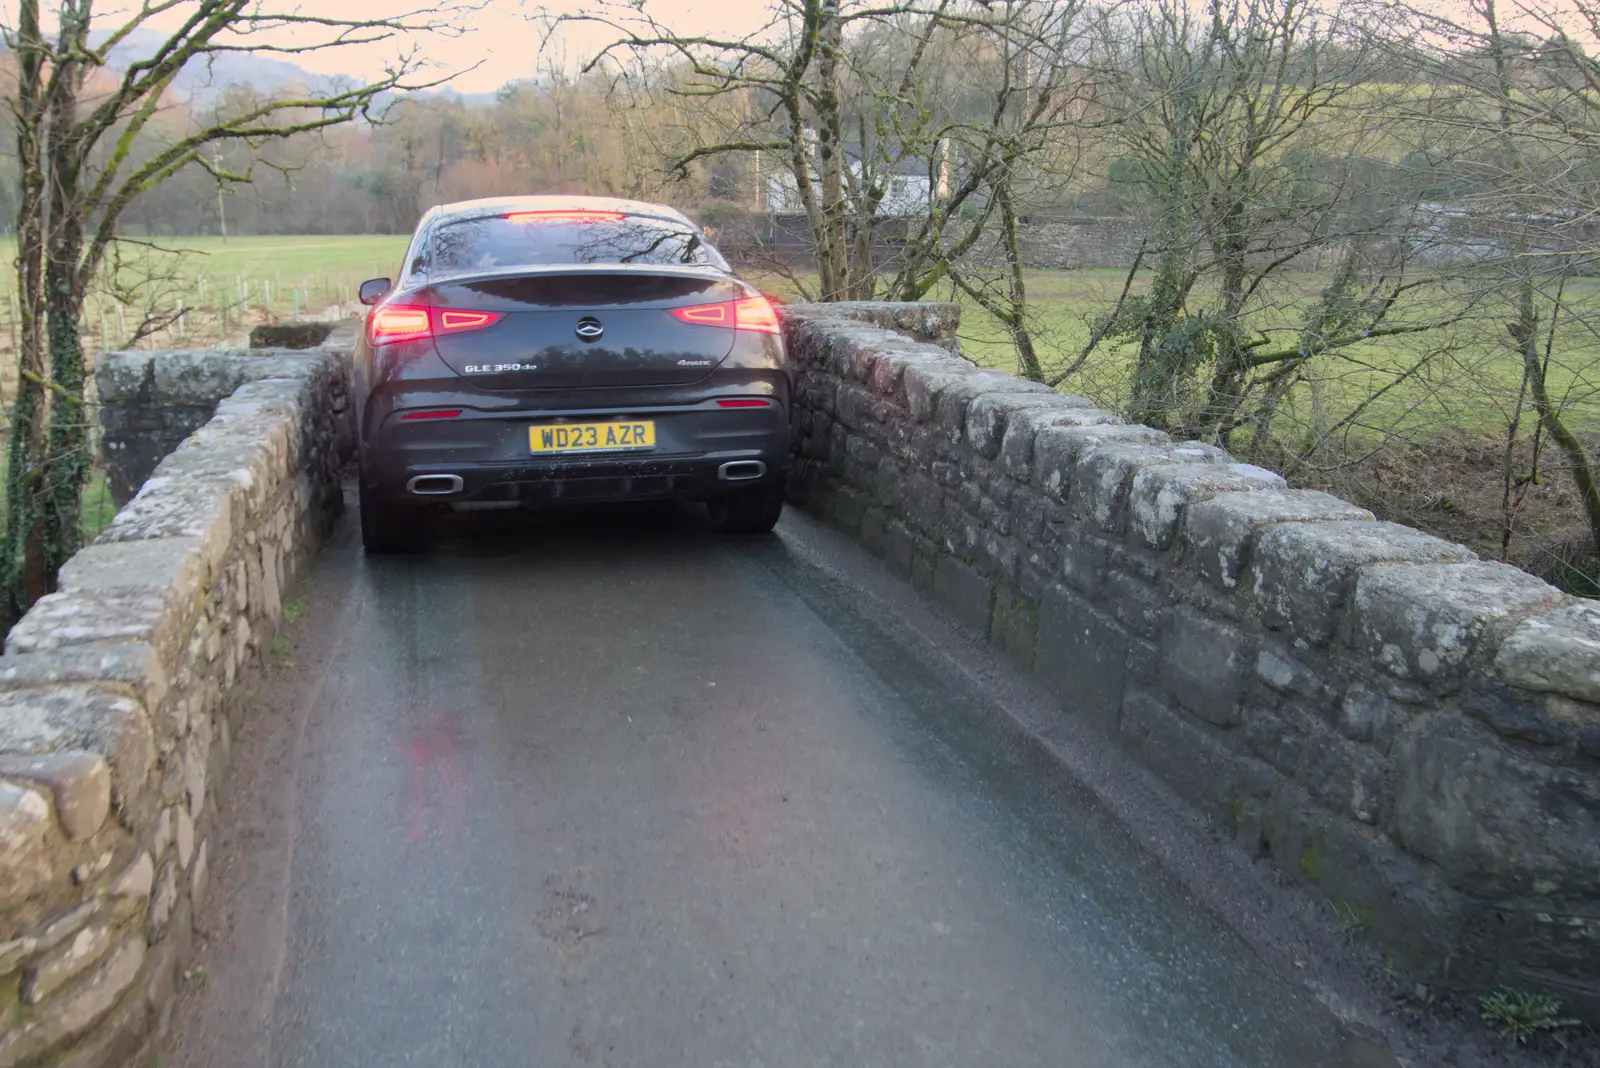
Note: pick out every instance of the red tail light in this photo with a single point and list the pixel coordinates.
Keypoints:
(756, 313)
(564, 216)
(743, 402)
(392, 323)
(451, 321)
(438, 413)
(751, 313)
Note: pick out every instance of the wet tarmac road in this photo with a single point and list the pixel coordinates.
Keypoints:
(609, 790)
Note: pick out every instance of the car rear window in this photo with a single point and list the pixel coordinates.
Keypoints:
(498, 241)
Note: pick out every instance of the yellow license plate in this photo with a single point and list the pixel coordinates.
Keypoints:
(592, 437)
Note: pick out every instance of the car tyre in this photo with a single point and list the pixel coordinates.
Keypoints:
(388, 528)
(751, 511)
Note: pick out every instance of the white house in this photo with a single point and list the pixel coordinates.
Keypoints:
(910, 192)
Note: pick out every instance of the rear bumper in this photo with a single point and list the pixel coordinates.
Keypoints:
(702, 451)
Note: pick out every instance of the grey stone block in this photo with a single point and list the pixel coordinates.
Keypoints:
(966, 593)
(290, 335)
(1001, 557)
(1368, 716)
(1285, 673)
(1100, 484)
(858, 407)
(1056, 450)
(75, 1012)
(59, 620)
(87, 718)
(1203, 666)
(1219, 533)
(173, 567)
(888, 376)
(1558, 652)
(1349, 779)
(850, 506)
(134, 665)
(24, 843)
(921, 500)
(1016, 629)
(923, 384)
(989, 416)
(1494, 821)
(79, 782)
(1085, 562)
(1082, 655)
(957, 396)
(1525, 716)
(1137, 604)
(1196, 765)
(1410, 909)
(135, 881)
(925, 320)
(1016, 451)
(65, 963)
(1160, 495)
(1424, 622)
(1303, 571)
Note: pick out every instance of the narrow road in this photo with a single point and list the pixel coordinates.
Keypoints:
(606, 790)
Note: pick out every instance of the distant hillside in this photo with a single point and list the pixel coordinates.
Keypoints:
(202, 79)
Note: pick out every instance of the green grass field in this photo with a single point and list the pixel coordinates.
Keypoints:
(284, 261)
(1469, 385)
(255, 277)
(1469, 382)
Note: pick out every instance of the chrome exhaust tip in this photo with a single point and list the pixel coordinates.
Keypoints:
(741, 470)
(435, 485)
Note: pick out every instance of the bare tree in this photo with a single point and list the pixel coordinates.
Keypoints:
(1522, 107)
(82, 161)
(1251, 124)
(851, 95)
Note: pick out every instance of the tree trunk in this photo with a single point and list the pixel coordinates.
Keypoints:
(1017, 322)
(1525, 328)
(1156, 382)
(65, 462)
(1526, 333)
(24, 577)
(1225, 395)
(833, 252)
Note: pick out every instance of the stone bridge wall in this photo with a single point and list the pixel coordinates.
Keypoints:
(147, 407)
(115, 710)
(1413, 731)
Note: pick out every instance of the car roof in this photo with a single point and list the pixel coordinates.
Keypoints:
(466, 209)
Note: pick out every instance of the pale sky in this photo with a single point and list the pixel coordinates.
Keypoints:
(502, 37)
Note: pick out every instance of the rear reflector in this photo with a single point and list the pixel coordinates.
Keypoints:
(743, 402)
(393, 323)
(441, 413)
(751, 313)
(564, 216)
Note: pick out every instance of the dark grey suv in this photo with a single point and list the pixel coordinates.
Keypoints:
(557, 349)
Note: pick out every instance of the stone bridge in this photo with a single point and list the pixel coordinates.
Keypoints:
(1406, 730)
